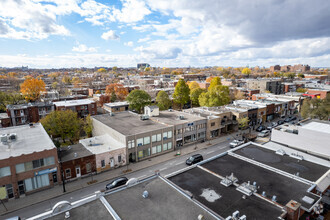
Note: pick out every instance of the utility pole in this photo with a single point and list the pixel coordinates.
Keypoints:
(61, 168)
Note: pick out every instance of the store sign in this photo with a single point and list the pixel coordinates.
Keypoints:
(42, 172)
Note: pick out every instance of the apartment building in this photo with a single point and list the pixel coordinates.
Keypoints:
(219, 120)
(28, 160)
(83, 107)
(273, 86)
(142, 137)
(29, 112)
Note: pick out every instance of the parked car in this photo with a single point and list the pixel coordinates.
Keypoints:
(264, 133)
(287, 120)
(194, 159)
(280, 122)
(116, 182)
(236, 143)
(272, 125)
(261, 128)
(293, 118)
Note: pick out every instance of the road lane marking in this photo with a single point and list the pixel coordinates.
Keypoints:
(210, 152)
(163, 169)
(179, 163)
(142, 176)
(87, 196)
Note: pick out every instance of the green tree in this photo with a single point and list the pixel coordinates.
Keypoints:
(64, 124)
(243, 122)
(113, 96)
(302, 90)
(9, 98)
(88, 126)
(300, 75)
(193, 85)
(290, 75)
(305, 109)
(163, 101)
(217, 94)
(181, 93)
(194, 95)
(137, 99)
(55, 85)
(246, 71)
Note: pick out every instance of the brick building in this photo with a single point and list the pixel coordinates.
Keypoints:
(76, 161)
(275, 68)
(83, 107)
(29, 112)
(28, 160)
(4, 120)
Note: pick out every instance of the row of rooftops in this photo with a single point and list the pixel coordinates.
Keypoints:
(67, 103)
(252, 181)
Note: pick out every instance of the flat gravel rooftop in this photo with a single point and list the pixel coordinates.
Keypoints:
(307, 170)
(223, 200)
(283, 187)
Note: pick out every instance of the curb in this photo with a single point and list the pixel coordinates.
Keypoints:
(133, 171)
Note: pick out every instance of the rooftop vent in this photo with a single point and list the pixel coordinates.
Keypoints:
(145, 194)
(75, 154)
(67, 215)
(144, 117)
(13, 137)
(274, 198)
(181, 117)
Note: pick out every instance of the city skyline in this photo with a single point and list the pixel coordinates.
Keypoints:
(166, 33)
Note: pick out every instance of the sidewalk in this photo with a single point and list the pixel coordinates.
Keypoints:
(57, 191)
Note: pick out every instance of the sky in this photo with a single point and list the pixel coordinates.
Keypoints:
(164, 33)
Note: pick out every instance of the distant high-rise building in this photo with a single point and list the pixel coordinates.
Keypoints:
(142, 66)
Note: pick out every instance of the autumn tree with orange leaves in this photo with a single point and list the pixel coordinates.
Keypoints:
(118, 90)
(31, 88)
(209, 79)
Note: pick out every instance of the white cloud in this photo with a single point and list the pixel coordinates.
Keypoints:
(84, 48)
(110, 35)
(132, 11)
(141, 40)
(129, 44)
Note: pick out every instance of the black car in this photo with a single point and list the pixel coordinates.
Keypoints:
(261, 128)
(280, 122)
(293, 118)
(287, 119)
(116, 182)
(194, 159)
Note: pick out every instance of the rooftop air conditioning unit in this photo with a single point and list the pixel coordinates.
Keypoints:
(4, 138)
(181, 117)
(13, 137)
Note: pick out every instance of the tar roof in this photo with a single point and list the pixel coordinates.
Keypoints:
(283, 187)
(163, 202)
(308, 170)
(206, 188)
(73, 152)
(128, 123)
(29, 140)
(91, 210)
(172, 117)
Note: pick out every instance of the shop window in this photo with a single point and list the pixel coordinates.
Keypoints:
(102, 163)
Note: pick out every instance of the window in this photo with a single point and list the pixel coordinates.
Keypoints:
(164, 135)
(146, 140)
(169, 145)
(139, 142)
(49, 161)
(20, 168)
(119, 158)
(212, 124)
(41, 181)
(131, 144)
(68, 173)
(28, 166)
(154, 138)
(102, 163)
(164, 147)
(5, 171)
(159, 148)
(159, 137)
(10, 192)
(88, 167)
(154, 150)
(169, 134)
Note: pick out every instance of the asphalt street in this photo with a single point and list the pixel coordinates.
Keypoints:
(164, 168)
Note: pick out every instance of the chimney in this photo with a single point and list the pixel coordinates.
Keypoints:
(293, 210)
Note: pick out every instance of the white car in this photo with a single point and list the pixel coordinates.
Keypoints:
(235, 143)
(264, 133)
